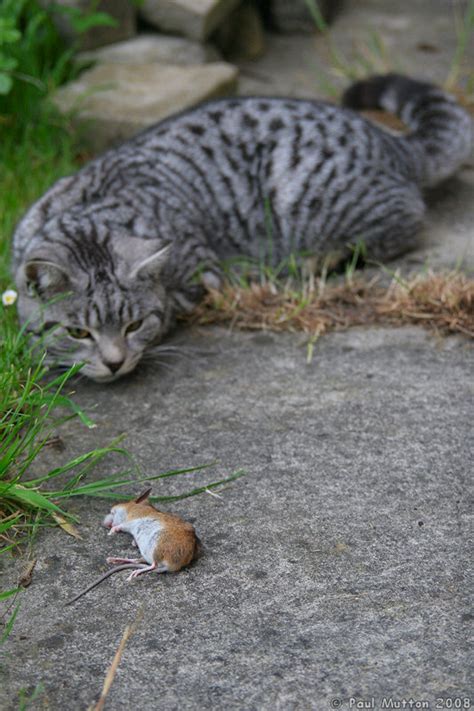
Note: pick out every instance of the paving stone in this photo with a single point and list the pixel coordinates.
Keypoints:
(337, 568)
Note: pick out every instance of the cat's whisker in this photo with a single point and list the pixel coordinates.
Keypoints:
(159, 363)
(174, 352)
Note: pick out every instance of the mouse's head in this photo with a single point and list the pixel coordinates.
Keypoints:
(128, 509)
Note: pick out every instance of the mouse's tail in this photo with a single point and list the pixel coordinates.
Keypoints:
(104, 577)
(441, 131)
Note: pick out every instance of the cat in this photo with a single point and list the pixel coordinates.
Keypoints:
(105, 260)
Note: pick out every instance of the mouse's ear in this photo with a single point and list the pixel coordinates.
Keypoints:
(143, 496)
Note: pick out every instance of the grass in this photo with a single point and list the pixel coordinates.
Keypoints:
(32, 407)
(464, 29)
(29, 164)
(440, 302)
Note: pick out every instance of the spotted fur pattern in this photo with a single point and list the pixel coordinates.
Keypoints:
(116, 246)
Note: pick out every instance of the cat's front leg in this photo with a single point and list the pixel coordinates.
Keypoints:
(189, 292)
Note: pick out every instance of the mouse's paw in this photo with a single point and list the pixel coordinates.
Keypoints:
(114, 529)
(141, 570)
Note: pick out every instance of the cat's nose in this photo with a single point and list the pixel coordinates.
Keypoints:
(114, 366)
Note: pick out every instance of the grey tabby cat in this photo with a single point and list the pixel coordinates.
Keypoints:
(108, 255)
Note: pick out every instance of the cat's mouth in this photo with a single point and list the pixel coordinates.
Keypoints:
(105, 378)
(100, 373)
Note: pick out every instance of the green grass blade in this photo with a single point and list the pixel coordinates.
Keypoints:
(9, 593)
(33, 499)
(6, 525)
(11, 621)
(201, 489)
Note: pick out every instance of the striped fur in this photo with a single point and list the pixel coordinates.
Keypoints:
(121, 240)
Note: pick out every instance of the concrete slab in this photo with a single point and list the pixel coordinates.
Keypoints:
(336, 569)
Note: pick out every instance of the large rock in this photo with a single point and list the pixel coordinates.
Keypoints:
(122, 11)
(193, 18)
(121, 99)
(154, 48)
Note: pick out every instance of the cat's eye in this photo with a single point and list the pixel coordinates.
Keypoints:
(134, 326)
(79, 333)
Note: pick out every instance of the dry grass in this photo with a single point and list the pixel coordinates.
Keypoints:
(110, 676)
(441, 302)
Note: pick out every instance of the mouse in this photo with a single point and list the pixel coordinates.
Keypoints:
(165, 541)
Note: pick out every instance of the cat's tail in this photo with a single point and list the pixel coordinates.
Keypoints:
(441, 132)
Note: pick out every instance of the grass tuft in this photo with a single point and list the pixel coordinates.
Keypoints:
(440, 302)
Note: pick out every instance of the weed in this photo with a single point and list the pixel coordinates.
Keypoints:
(464, 29)
(34, 60)
(441, 302)
(368, 57)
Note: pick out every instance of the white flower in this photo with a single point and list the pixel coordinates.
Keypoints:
(9, 297)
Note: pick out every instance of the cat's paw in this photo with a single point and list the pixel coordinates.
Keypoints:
(211, 281)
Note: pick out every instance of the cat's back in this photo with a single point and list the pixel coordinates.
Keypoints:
(249, 125)
(244, 151)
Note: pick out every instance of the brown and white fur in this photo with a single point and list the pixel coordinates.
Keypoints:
(166, 542)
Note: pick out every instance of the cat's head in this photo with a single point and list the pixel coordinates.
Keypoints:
(99, 304)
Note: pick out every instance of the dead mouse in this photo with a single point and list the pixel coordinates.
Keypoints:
(166, 542)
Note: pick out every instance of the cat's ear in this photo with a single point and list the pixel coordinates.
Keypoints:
(153, 265)
(46, 278)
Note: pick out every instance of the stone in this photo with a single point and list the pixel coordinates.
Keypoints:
(122, 11)
(196, 19)
(121, 99)
(241, 35)
(148, 48)
(335, 568)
